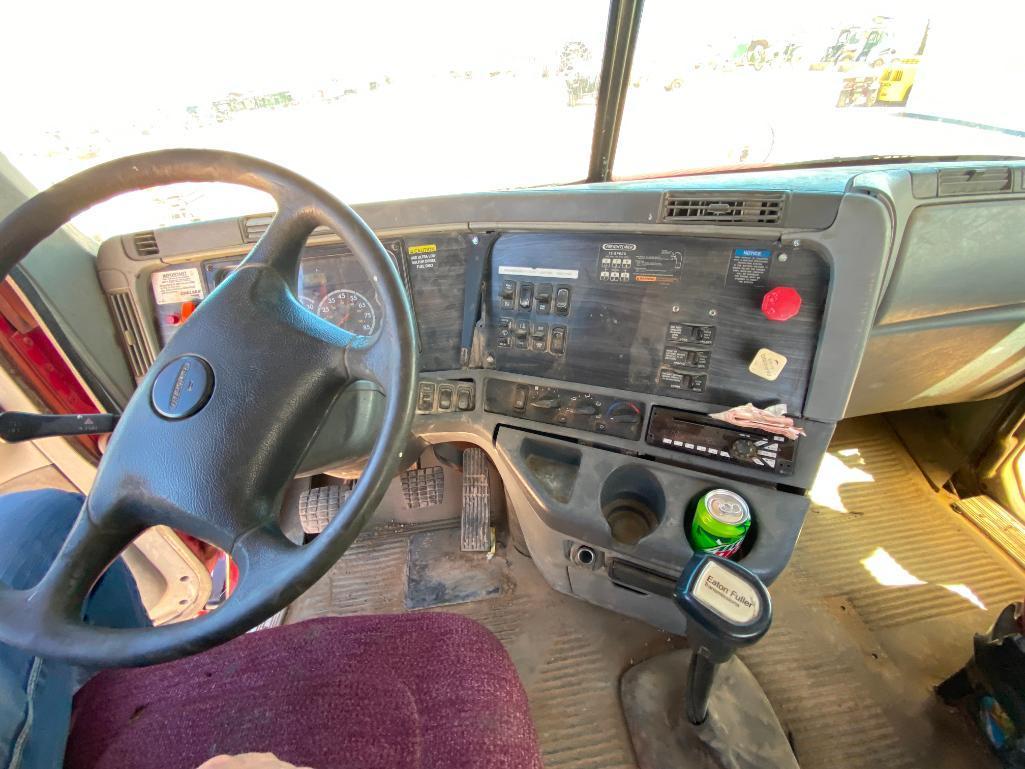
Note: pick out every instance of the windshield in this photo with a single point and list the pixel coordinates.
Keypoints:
(373, 101)
(805, 80)
(396, 99)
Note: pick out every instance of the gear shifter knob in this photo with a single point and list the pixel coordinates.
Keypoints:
(723, 601)
(727, 607)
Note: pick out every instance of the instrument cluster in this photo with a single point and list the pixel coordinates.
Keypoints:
(336, 288)
(332, 284)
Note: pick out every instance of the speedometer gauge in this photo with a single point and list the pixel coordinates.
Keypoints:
(349, 310)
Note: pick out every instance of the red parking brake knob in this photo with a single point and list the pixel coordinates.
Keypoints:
(782, 303)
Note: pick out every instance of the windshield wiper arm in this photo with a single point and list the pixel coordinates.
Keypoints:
(960, 122)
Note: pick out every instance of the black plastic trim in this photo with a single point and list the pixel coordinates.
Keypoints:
(620, 43)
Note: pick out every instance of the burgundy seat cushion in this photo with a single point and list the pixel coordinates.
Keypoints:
(391, 692)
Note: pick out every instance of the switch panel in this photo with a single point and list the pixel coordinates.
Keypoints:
(662, 314)
(445, 397)
(566, 408)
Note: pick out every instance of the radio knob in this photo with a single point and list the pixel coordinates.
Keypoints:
(744, 449)
(624, 412)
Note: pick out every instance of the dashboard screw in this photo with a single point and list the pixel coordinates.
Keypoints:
(712, 313)
(783, 257)
(676, 308)
(797, 244)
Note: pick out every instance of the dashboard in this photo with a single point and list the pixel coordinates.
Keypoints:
(586, 337)
(685, 318)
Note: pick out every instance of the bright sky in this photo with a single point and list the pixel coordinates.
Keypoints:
(86, 82)
(119, 57)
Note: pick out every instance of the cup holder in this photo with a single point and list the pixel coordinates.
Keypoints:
(633, 504)
(750, 539)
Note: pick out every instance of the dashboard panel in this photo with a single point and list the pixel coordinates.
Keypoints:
(673, 316)
(436, 267)
(680, 317)
(334, 285)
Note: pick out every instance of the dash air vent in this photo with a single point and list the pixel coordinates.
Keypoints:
(762, 208)
(975, 181)
(145, 243)
(133, 336)
(254, 226)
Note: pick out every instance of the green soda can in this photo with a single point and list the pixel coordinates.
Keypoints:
(721, 521)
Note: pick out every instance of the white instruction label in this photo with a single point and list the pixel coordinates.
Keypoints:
(539, 272)
(177, 286)
(768, 364)
(728, 595)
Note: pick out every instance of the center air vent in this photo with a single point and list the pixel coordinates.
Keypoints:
(974, 181)
(762, 208)
(254, 226)
(145, 243)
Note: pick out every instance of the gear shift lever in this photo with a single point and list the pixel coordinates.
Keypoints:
(701, 706)
(727, 607)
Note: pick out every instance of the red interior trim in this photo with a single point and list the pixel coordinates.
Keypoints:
(34, 356)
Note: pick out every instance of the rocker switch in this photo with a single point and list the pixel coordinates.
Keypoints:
(526, 295)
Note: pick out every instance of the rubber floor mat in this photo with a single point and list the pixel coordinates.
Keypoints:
(878, 533)
(878, 605)
(570, 655)
(440, 573)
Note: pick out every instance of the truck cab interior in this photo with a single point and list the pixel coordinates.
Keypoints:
(655, 398)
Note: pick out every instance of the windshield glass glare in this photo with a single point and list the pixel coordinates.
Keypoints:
(777, 83)
(373, 101)
(402, 98)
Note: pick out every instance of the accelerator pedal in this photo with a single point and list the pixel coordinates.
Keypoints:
(475, 526)
(317, 507)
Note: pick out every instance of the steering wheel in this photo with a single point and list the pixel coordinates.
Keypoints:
(217, 428)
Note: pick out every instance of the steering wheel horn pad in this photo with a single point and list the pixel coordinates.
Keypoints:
(182, 387)
(217, 428)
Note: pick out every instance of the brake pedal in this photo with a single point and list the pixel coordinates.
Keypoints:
(475, 525)
(318, 507)
(424, 487)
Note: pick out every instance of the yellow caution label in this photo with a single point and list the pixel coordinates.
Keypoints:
(429, 248)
